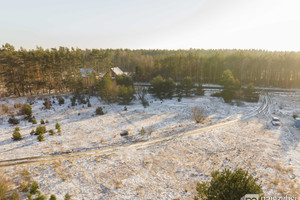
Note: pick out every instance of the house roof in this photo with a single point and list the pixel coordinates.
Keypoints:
(117, 70)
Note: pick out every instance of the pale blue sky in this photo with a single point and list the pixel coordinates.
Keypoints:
(152, 24)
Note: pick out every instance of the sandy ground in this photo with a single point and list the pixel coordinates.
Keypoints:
(167, 170)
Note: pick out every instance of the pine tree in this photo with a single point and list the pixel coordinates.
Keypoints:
(125, 95)
(187, 86)
(228, 185)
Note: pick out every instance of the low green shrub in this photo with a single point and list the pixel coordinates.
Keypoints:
(143, 131)
(47, 104)
(51, 132)
(40, 130)
(67, 197)
(40, 137)
(61, 100)
(57, 126)
(26, 110)
(34, 120)
(16, 134)
(32, 132)
(13, 120)
(34, 187)
(99, 111)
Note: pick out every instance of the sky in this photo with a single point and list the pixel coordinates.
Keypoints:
(152, 24)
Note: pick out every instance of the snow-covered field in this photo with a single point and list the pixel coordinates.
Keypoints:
(162, 170)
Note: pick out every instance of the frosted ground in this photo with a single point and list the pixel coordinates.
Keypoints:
(167, 169)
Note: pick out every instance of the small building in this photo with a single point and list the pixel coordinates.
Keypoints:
(116, 71)
(86, 72)
(297, 122)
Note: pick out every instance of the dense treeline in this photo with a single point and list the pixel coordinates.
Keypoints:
(47, 70)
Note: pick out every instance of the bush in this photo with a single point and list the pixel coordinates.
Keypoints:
(143, 131)
(17, 135)
(34, 187)
(295, 116)
(61, 100)
(32, 132)
(40, 197)
(52, 197)
(26, 110)
(42, 121)
(40, 130)
(57, 126)
(47, 104)
(34, 120)
(228, 185)
(125, 108)
(198, 115)
(40, 137)
(51, 132)
(47, 121)
(89, 104)
(67, 197)
(99, 111)
(13, 120)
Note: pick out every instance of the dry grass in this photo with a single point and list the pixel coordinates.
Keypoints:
(4, 108)
(17, 105)
(7, 109)
(5, 187)
(117, 183)
(275, 181)
(101, 140)
(25, 180)
(281, 190)
(61, 170)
